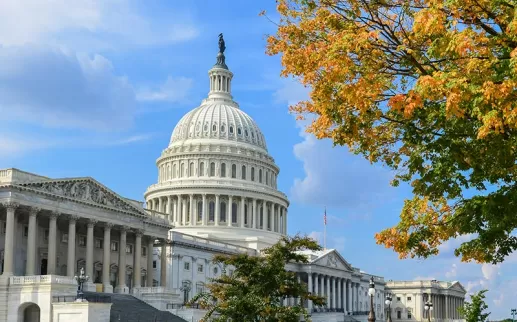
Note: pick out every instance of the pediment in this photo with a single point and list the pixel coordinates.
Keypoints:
(333, 260)
(85, 190)
(457, 287)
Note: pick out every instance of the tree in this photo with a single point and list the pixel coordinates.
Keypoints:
(426, 88)
(473, 311)
(258, 285)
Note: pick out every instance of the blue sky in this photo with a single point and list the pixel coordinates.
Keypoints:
(95, 87)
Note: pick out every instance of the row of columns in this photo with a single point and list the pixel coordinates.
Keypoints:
(444, 306)
(184, 208)
(71, 258)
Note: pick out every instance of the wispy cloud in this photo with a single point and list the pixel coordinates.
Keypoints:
(175, 89)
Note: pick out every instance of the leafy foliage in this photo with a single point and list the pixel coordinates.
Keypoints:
(426, 88)
(473, 311)
(258, 285)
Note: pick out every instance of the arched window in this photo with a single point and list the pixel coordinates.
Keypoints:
(168, 172)
(214, 128)
(222, 214)
(223, 128)
(188, 217)
(182, 169)
(234, 213)
(199, 210)
(243, 171)
(260, 175)
(268, 218)
(212, 169)
(231, 129)
(201, 169)
(191, 169)
(174, 171)
(211, 211)
(234, 171)
(223, 170)
(245, 214)
(261, 221)
(246, 132)
(271, 173)
(239, 131)
(267, 177)
(252, 174)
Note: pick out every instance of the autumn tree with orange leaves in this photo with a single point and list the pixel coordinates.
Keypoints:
(428, 89)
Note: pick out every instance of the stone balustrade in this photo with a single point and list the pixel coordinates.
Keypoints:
(41, 279)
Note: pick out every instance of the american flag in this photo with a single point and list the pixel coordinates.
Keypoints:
(325, 217)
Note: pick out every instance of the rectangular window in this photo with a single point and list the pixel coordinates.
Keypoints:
(409, 315)
(98, 243)
(25, 231)
(64, 238)
(144, 251)
(409, 298)
(199, 289)
(82, 241)
(114, 246)
(398, 298)
(200, 268)
(186, 266)
(46, 234)
(154, 264)
(129, 249)
(399, 315)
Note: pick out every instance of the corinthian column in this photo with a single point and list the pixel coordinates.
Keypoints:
(229, 213)
(70, 264)
(31, 242)
(106, 261)
(150, 252)
(254, 214)
(243, 212)
(137, 272)
(9, 238)
(89, 247)
(217, 210)
(121, 287)
(163, 265)
(52, 237)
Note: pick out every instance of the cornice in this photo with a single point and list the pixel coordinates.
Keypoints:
(212, 250)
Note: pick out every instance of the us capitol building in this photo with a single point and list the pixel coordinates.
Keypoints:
(216, 193)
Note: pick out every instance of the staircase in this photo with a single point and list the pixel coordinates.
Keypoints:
(127, 308)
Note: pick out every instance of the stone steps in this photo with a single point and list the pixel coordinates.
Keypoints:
(127, 308)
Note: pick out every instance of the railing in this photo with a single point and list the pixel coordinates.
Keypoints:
(157, 214)
(41, 279)
(326, 309)
(93, 298)
(148, 290)
(360, 313)
(172, 306)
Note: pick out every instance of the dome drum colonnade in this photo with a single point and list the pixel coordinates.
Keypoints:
(216, 171)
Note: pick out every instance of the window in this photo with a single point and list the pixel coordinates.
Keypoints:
(25, 231)
(214, 128)
(212, 169)
(182, 170)
(231, 129)
(223, 170)
(230, 272)
(114, 246)
(409, 315)
(211, 211)
(64, 238)
(222, 214)
(201, 169)
(129, 249)
(82, 241)
(186, 266)
(223, 128)
(191, 169)
(234, 171)
(199, 210)
(409, 298)
(154, 264)
(398, 298)
(46, 233)
(98, 243)
(243, 172)
(173, 171)
(200, 268)
(239, 132)
(399, 315)
(252, 174)
(234, 213)
(216, 270)
(199, 288)
(260, 175)
(267, 177)
(144, 251)
(246, 133)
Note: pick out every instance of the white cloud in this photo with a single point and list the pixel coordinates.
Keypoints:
(89, 24)
(53, 88)
(449, 246)
(452, 272)
(490, 271)
(173, 90)
(317, 236)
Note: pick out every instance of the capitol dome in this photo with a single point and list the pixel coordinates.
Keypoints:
(216, 178)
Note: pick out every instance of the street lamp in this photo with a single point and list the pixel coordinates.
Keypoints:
(428, 307)
(81, 279)
(514, 312)
(388, 303)
(371, 292)
(185, 287)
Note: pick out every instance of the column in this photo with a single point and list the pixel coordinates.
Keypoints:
(339, 302)
(89, 248)
(178, 213)
(334, 293)
(169, 208)
(163, 265)
(52, 238)
(106, 261)
(31, 242)
(316, 285)
(121, 287)
(322, 287)
(329, 300)
(203, 215)
(160, 205)
(273, 218)
(265, 212)
(309, 302)
(349, 295)
(229, 211)
(150, 246)
(137, 271)
(285, 220)
(70, 264)
(192, 217)
(184, 212)
(243, 213)
(254, 214)
(9, 238)
(217, 208)
(175, 211)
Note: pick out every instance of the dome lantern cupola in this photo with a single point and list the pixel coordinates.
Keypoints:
(220, 76)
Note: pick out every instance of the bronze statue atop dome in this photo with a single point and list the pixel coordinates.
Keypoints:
(222, 46)
(220, 55)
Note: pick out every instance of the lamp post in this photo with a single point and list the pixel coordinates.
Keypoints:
(388, 303)
(185, 288)
(371, 292)
(514, 312)
(81, 279)
(428, 307)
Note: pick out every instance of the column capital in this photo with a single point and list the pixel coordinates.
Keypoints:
(34, 211)
(169, 198)
(108, 226)
(11, 205)
(73, 218)
(54, 214)
(151, 239)
(139, 232)
(124, 228)
(91, 223)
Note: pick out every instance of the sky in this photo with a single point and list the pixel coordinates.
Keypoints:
(95, 88)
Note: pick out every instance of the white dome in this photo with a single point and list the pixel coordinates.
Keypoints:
(215, 120)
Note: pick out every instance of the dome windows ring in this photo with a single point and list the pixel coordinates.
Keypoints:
(231, 129)
(223, 128)
(214, 128)
(239, 131)
(246, 133)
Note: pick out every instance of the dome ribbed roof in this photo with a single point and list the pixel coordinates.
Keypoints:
(217, 121)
